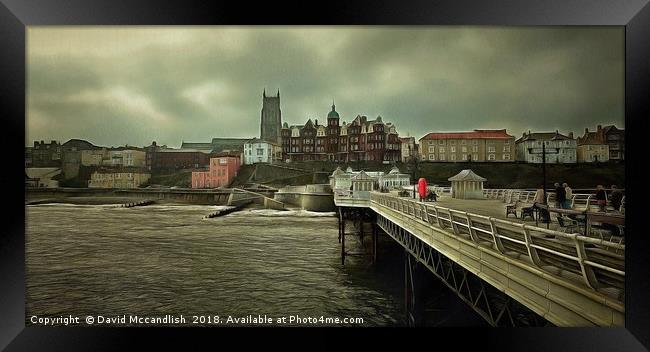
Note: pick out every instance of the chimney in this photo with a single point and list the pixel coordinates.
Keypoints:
(600, 128)
(316, 122)
(571, 135)
(586, 130)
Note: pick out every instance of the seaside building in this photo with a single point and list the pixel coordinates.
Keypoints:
(221, 172)
(72, 154)
(46, 154)
(559, 148)
(346, 180)
(118, 178)
(593, 147)
(360, 140)
(476, 145)
(409, 148)
(261, 151)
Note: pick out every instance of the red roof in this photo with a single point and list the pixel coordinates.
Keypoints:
(487, 134)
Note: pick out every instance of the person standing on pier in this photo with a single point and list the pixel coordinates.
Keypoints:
(568, 194)
(616, 197)
(560, 196)
(601, 198)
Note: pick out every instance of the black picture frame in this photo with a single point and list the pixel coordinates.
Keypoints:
(15, 15)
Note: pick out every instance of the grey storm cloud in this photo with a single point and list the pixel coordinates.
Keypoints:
(133, 85)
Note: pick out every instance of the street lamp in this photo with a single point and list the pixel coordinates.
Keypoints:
(543, 153)
(413, 165)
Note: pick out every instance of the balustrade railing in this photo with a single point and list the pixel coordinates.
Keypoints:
(596, 262)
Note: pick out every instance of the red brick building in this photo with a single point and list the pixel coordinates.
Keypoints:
(362, 139)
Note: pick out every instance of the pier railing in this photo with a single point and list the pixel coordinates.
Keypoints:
(584, 201)
(597, 263)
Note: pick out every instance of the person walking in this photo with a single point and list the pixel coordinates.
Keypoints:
(568, 194)
(616, 198)
(560, 196)
(601, 198)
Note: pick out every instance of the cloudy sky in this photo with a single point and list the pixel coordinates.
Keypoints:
(133, 85)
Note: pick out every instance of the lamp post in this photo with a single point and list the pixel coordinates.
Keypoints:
(555, 151)
(413, 164)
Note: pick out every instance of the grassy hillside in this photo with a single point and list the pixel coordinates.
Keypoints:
(179, 179)
(505, 175)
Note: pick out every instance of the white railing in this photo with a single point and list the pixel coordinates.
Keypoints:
(596, 262)
(584, 201)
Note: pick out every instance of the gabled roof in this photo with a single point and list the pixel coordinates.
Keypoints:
(590, 138)
(543, 136)
(484, 134)
(466, 175)
(612, 128)
(362, 175)
(189, 145)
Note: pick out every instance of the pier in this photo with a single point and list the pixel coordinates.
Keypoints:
(510, 271)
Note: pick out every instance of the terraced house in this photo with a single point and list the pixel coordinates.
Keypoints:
(362, 139)
(558, 148)
(476, 145)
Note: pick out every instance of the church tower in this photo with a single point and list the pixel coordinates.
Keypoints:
(271, 120)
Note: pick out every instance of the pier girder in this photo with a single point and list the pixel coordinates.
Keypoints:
(493, 305)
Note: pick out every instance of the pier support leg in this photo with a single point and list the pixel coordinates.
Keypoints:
(361, 229)
(413, 293)
(340, 220)
(342, 239)
(375, 235)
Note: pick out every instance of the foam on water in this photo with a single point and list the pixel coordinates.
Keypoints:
(286, 213)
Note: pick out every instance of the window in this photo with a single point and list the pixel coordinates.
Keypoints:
(491, 149)
(506, 156)
(464, 157)
(441, 149)
(452, 142)
(441, 157)
(432, 157)
(441, 142)
(475, 142)
(506, 148)
(453, 157)
(464, 149)
(507, 142)
(463, 142)
(452, 149)
(491, 157)
(260, 151)
(475, 149)
(475, 157)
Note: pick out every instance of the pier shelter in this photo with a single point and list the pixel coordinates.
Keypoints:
(467, 185)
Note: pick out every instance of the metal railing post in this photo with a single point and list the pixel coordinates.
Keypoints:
(587, 272)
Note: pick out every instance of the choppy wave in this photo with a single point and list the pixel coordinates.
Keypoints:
(285, 213)
(162, 259)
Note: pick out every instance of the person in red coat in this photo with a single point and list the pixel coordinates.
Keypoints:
(422, 188)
